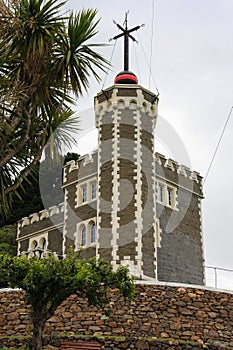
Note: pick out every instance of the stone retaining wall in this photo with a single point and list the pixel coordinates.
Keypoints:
(160, 317)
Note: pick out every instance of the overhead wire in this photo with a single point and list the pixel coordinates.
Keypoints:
(218, 144)
(110, 61)
(148, 64)
(205, 178)
(136, 59)
(151, 41)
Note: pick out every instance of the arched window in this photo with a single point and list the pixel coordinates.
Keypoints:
(33, 249)
(83, 236)
(43, 243)
(93, 232)
(34, 244)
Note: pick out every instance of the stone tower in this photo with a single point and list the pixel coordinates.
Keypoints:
(126, 216)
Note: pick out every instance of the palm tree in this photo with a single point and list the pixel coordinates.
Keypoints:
(44, 57)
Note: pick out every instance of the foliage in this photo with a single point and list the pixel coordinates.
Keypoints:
(48, 282)
(29, 200)
(8, 244)
(71, 156)
(44, 57)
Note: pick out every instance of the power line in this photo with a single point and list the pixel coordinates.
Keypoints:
(218, 144)
(110, 61)
(136, 59)
(207, 173)
(151, 41)
(146, 59)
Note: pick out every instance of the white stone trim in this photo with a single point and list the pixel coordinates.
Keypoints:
(202, 239)
(37, 238)
(85, 178)
(98, 119)
(165, 200)
(183, 285)
(138, 195)
(78, 198)
(176, 185)
(77, 236)
(65, 222)
(45, 213)
(115, 187)
(158, 234)
(34, 234)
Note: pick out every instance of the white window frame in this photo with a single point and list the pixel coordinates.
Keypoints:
(168, 195)
(86, 197)
(39, 240)
(87, 224)
(93, 190)
(84, 193)
(83, 237)
(92, 224)
(160, 192)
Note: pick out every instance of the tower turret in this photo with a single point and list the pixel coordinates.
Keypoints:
(126, 184)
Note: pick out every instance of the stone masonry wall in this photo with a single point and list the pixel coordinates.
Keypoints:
(160, 317)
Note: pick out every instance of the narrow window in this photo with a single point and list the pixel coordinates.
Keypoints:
(93, 233)
(44, 244)
(160, 193)
(93, 190)
(83, 236)
(169, 197)
(34, 244)
(84, 193)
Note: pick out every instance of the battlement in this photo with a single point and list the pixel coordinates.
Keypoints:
(179, 169)
(85, 166)
(127, 97)
(43, 214)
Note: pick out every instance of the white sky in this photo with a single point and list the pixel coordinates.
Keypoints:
(192, 62)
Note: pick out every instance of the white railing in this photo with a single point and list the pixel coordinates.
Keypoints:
(219, 277)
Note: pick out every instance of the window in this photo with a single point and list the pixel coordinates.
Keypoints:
(84, 236)
(34, 244)
(166, 194)
(170, 196)
(93, 233)
(84, 193)
(160, 192)
(93, 190)
(43, 244)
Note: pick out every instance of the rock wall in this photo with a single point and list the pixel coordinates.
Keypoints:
(160, 317)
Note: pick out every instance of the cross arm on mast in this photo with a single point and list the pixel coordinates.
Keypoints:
(118, 36)
(135, 28)
(126, 34)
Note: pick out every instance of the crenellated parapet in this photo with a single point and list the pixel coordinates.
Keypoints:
(41, 215)
(180, 174)
(41, 221)
(85, 166)
(121, 98)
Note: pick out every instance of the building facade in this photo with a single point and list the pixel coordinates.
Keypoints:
(125, 202)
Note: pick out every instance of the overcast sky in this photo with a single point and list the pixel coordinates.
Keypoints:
(192, 64)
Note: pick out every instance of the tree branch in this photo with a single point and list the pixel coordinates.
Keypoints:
(22, 141)
(25, 173)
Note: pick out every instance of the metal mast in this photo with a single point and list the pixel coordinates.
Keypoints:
(126, 34)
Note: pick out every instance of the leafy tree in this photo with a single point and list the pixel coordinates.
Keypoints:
(29, 200)
(44, 57)
(48, 282)
(8, 244)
